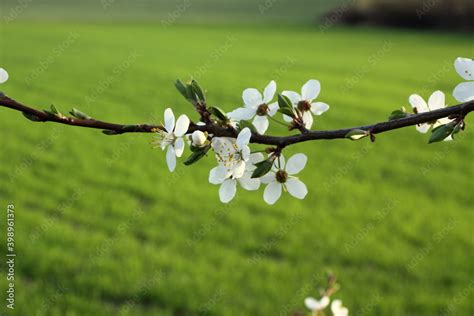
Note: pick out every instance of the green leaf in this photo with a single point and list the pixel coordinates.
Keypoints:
(440, 133)
(458, 127)
(244, 123)
(181, 88)
(196, 156)
(31, 117)
(192, 97)
(218, 112)
(357, 134)
(109, 132)
(2, 94)
(286, 111)
(80, 115)
(284, 102)
(263, 167)
(55, 110)
(397, 114)
(198, 91)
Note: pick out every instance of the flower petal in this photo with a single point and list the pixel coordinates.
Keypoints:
(464, 92)
(296, 188)
(423, 128)
(217, 175)
(3, 75)
(179, 147)
(171, 158)
(319, 108)
(268, 178)
(238, 169)
(436, 101)
(169, 120)
(287, 118)
(252, 98)
(245, 153)
(260, 123)
(273, 108)
(310, 90)
(242, 114)
(280, 162)
(255, 157)
(296, 163)
(243, 138)
(311, 303)
(249, 184)
(418, 103)
(269, 92)
(308, 119)
(182, 125)
(227, 190)
(293, 96)
(272, 192)
(465, 68)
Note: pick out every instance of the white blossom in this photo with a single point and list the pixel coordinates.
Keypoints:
(171, 137)
(282, 177)
(3, 75)
(198, 138)
(435, 102)
(304, 102)
(257, 107)
(337, 308)
(315, 305)
(464, 92)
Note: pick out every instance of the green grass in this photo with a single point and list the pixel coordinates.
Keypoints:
(102, 227)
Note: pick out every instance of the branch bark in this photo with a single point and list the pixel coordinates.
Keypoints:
(280, 141)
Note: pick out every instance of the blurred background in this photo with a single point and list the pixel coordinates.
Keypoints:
(102, 227)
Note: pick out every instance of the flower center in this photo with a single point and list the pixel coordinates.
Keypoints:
(166, 138)
(262, 109)
(231, 157)
(281, 176)
(304, 106)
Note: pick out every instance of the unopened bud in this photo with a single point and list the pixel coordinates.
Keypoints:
(199, 138)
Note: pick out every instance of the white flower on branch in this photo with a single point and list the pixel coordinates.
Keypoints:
(339, 310)
(198, 138)
(257, 106)
(3, 75)
(464, 92)
(282, 177)
(172, 137)
(435, 102)
(315, 306)
(304, 102)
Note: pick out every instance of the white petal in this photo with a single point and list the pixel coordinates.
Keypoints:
(171, 158)
(245, 152)
(308, 119)
(280, 162)
(182, 125)
(3, 75)
(252, 98)
(179, 147)
(269, 92)
(287, 118)
(243, 138)
(324, 302)
(293, 96)
(238, 170)
(268, 178)
(227, 190)
(436, 101)
(198, 138)
(338, 310)
(465, 68)
(319, 108)
(296, 163)
(249, 184)
(169, 120)
(255, 157)
(464, 92)
(418, 103)
(242, 114)
(296, 188)
(423, 128)
(217, 175)
(310, 90)
(272, 193)
(311, 303)
(260, 123)
(273, 108)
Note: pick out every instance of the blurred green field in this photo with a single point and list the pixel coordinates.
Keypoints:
(103, 228)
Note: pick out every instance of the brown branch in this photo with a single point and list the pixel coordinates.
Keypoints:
(460, 110)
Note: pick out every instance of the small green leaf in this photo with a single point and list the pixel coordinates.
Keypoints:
(196, 156)
(440, 133)
(284, 102)
(244, 123)
(181, 88)
(31, 117)
(2, 94)
(357, 134)
(192, 97)
(397, 114)
(80, 115)
(286, 111)
(55, 110)
(218, 112)
(458, 127)
(263, 167)
(198, 91)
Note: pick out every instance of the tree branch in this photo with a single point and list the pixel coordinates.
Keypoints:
(281, 141)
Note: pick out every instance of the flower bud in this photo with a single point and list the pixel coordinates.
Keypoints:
(3, 75)
(199, 138)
